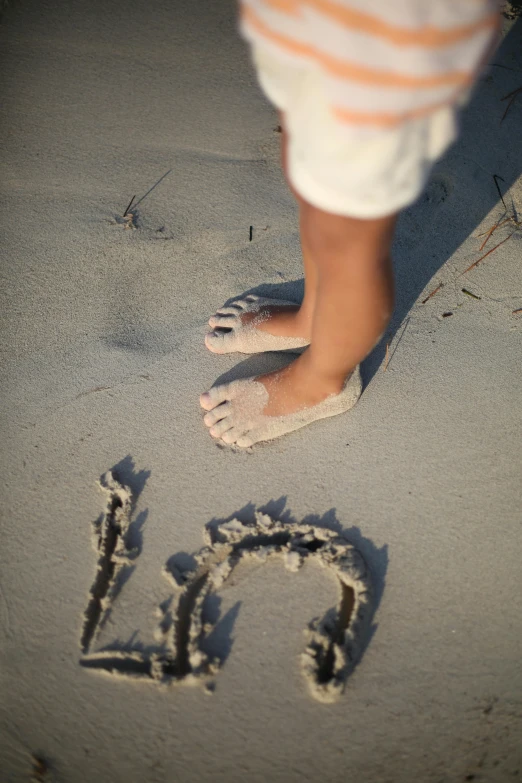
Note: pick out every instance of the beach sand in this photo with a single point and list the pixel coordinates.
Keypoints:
(103, 319)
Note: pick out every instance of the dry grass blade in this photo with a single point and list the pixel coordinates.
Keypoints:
(491, 231)
(495, 225)
(497, 177)
(475, 263)
(40, 768)
(129, 206)
(387, 357)
(433, 293)
(513, 96)
(468, 293)
(513, 92)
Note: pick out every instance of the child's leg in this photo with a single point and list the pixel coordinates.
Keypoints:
(282, 320)
(307, 308)
(355, 291)
(353, 306)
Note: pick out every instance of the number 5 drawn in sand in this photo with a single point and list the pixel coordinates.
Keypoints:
(334, 642)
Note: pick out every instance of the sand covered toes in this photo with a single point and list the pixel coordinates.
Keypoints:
(235, 411)
(234, 328)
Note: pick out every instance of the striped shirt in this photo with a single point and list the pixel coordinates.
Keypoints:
(383, 62)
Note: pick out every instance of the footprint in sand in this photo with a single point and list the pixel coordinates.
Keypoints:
(414, 219)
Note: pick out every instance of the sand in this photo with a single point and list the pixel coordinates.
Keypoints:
(103, 320)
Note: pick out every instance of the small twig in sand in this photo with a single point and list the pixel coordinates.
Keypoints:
(130, 205)
(495, 178)
(512, 95)
(251, 231)
(92, 391)
(475, 263)
(397, 343)
(441, 285)
(40, 768)
(468, 293)
(152, 188)
(492, 230)
(515, 312)
(510, 218)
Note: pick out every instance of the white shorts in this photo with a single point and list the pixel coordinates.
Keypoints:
(333, 168)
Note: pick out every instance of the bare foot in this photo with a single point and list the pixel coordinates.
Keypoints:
(255, 324)
(280, 321)
(247, 411)
(294, 388)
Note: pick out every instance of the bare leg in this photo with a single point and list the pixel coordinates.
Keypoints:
(353, 307)
(354, 302)
(310, 268)
(291, 321)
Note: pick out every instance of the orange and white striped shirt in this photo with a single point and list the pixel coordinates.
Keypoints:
(383, 62)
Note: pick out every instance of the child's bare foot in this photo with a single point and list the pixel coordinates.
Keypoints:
(255, 324)
(257, 409)
(294, 388)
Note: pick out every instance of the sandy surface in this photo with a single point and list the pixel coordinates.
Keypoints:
(103, 362)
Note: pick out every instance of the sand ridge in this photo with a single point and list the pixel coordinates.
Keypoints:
(334, 643)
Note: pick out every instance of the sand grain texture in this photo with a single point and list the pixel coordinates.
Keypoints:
(102, 365)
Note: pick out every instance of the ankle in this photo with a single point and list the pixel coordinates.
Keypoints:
(309, 372)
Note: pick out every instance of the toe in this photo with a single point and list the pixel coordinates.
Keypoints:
(232, 309)
(215, 396)
(224, 321)
(220, 342)
(220, 428)
(214, 341)
(218, 413)
(232, 435)
(244, 441)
